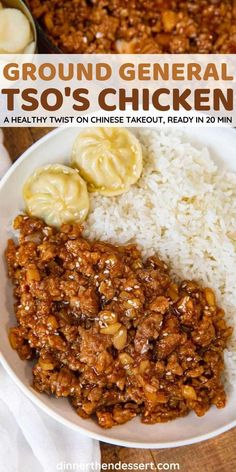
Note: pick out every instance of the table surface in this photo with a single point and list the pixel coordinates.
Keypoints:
(216, 455)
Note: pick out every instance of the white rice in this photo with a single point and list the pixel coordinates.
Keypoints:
(183, 208)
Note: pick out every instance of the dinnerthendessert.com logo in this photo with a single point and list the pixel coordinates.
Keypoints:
(96, 466)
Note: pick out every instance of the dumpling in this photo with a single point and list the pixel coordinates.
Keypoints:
(57, 194)
(109, 159)
(15, 31)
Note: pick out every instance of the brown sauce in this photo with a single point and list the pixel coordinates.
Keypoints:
(112, 332)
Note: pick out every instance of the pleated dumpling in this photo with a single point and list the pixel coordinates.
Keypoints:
(57, 194)
(109, 159)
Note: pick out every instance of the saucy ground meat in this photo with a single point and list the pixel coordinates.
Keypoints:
(112, 332)
(139, 26)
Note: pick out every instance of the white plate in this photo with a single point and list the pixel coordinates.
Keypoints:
(56, 147)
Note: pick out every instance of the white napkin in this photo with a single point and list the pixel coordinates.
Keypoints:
(31, 441)
(4, 157)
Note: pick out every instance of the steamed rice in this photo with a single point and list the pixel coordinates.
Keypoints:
(184, 208)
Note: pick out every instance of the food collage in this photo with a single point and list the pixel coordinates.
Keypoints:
(118, 260)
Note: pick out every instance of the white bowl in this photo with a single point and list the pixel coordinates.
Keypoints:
(56, 147)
